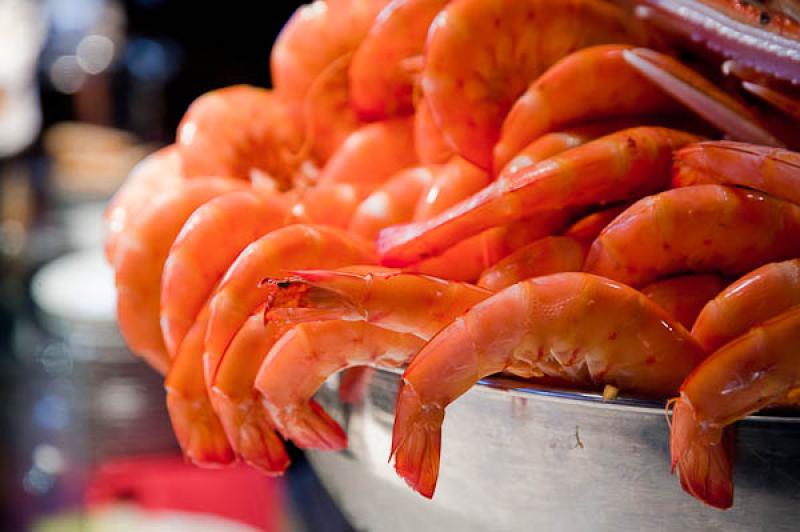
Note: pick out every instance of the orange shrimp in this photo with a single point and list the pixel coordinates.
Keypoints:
(574, 326)
(481, 55)
(684, 297)
(226, 225)
(453, 182)
(392, 203)
(329, 204)
(140, 255)
(771, 170)
(428, 142)
(372, 154)
(756, 297)
(590, 84)
(302, 360)
(240, 131)
(309, 64)
(707, 228)
(587, 228)
(157, 173)
(624, 165)
(381, 79)
(756, 370)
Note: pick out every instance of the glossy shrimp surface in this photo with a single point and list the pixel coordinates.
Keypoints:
(763, 168)
(481, 55)
(226, 225)
(706, 228)
(140, 255)
(240, 132)
(683, 297)
(590, 84)
(757, 296)
(302, 360)
(453, 182)
(623, 165)
(756, 370)
(428, 141)
(529, 329)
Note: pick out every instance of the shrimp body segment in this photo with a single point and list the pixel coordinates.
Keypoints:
(575, 326)
(431, 147)
(624, 165)
(684, 297)
(482, 55)
(706, 228)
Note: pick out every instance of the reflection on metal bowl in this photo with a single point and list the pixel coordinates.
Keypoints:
(516, 458)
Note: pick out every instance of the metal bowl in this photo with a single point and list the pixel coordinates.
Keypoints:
(516, 457)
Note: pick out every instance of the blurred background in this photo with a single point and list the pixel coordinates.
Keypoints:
(88, 88)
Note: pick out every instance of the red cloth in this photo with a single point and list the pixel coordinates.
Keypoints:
(238, 493)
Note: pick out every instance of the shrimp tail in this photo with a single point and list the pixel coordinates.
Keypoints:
(311, 427)
(199, 432)
(307, 296)
(416, 441)
(702, 458)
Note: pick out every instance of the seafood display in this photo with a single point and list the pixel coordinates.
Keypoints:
(552, 191)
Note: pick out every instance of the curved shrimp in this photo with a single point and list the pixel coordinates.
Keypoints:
(684, 297)
(302, 360)
(756, 370)
(330, 204)
(707, 228)
(140, 255)
(240, 131)
(574, 326)
(454, 181)
(756, 297)
(157, 173)
(392, 203)
(771, 170)
(623, 165)
(226, 224)
(431, 148)
(590, 84)
(471, 95)
(372, 154)
(309, 64)
(381, 79)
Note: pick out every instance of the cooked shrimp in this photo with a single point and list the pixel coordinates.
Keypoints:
(372, 154)
(140, 255)
(302, 360)
(756, 297)
(226, 225)
(329, 204)
(157, 173)
(393, 203)
(587, 228)
(756, 370)
(624, 165)
(590, 84)
(428, 142)
(788, 105)
(240, 131)
(481, 55)
(196, 426)
(353, 384)
(309, 64)
(770, 170)
(707, 228)
(453, 182)
(381, 79)
(684, 297)
(574, 326)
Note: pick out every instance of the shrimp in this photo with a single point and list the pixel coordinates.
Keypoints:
(428, 142)
(372, 154)
(706, 228)
(574, 326)
(226, 224)
(309, 64)
(453, 182)
(590, 84)
(481, 55)
(551, 254)
(684, 297)
(381, 80)
(623, 165)
(157, 173)
(392, 203)
(329, 204)
(587, 228)
(756, 370)
(771, 170)
(140, 255)
(302, 360)
(757, 296)
(239, 132)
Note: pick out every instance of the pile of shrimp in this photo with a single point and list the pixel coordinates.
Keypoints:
(461, 189)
